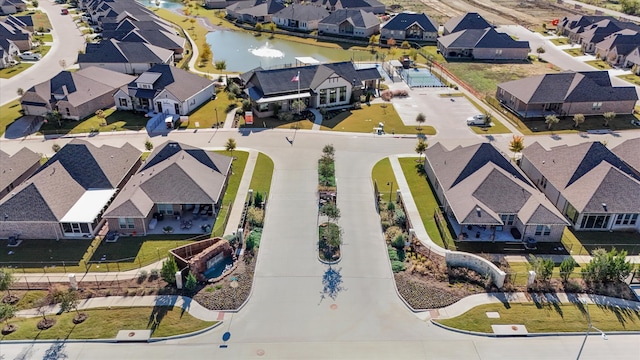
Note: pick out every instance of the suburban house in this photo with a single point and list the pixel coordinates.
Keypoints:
(575, 26)
(8, 7)
(319, 86)
(487, 198)
(353, 23)
(16, 168)
(66, 197)
(566, 94)
(121, 29)
(8, 50)
(629, 152)
(588, 183)
(254, 11)
(124, 57)
(303, 17)
(177, 182)
(482, 44)
(20, 37)
(597, 32)
(467, 21)
(75, 95)
(23, 21)
(165, 89)
(410, 27)
(372, 6)
(218, 4)
(162, 39)
(615, 47)
(632, 61)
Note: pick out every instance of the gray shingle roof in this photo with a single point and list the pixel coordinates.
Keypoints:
(359, 18)
(302, 12)
(568, 86)
(629, 152)
(114, 51)
(481, 38)
(13, 166)
(469, 20)
(403, 21)
(479, 176)
(56, 186)
(182, 84)
(278, 81)
(588, 175)
(173, 174)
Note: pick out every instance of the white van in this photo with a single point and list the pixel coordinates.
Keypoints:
(477, 120)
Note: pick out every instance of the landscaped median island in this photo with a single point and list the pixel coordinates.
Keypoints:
(547, 317)
(329, 232)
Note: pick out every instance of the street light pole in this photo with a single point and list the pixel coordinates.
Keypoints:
(586, 335)
(391, 190)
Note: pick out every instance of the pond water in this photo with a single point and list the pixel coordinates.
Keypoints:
(243, 51)
(164, 4)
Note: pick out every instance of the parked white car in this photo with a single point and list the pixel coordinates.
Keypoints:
(477, 120)
(28, 55)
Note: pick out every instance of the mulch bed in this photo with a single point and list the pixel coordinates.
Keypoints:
(45, 324)
(231, 292)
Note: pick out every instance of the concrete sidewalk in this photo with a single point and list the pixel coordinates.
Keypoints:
(59, 277)
(241, 195)
(193, 308)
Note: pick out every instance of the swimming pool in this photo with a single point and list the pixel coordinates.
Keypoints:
(420, 78)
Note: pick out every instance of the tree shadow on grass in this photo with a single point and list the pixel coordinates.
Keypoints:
(163, 305)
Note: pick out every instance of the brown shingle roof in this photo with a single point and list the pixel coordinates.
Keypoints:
(13, 166)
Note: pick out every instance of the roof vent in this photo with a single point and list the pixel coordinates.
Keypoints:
(478, 211)
(604, 206)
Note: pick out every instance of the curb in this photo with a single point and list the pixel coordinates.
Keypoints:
(475, 333)
(183, 336)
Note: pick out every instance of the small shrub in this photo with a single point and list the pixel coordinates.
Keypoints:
(400, 218)
(285, 116)
(397, 266)
(398, 241)
(393, 254)
(191, 283)
(255, 217)
(55, 147)
(218, 287)
(386, 95)
(391, 206)
(148, 145)
(253, 240)
(154, 274)
(392, 232)
(385, 225)
(258, 199)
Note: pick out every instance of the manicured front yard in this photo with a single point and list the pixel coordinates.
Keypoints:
(262, 174)
(565, 126)
(599, 64)
(560, 41)
(365, 119)
(423, 196)
(9, 72)
(117, 120)
(574, 51)
(632, 78)
(547, 318)
(105, 324)
(214, 111)
(383, 174)
(9, 113)
(239, 165)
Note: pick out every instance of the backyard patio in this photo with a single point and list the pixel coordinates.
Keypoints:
(196, 219)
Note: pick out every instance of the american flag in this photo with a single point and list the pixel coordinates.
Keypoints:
(296, 78)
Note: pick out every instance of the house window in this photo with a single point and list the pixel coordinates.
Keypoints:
(626, 219)
(596, 106)
(166, 209)
(543, 230)
(323, 96)
(543, 182)
(332, 95)
(508, 219)
(595, 221)
(126, 223)
(66, 110)
(343, 94)
(123, 102)
(263, 107)
(571, 212)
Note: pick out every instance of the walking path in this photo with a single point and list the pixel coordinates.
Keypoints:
(238, 204)
(318, 119)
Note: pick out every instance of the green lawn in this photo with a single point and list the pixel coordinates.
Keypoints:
(9, 72)
(9, 113)
(599, 64)
(574, 52)
(591, 240)
(365, 119)
(560, 41)
(383, 174)
(484, 77)
(262, 174)
(537, 126)
(39, 253)
(423, 196)
(117, 120)
(239, 165)
(547, 318)
(213, 111)
(632, 78)
(105, 324)
(44, 37)
(274, 123)
(572, 244)
(136, 251)
(30, 299)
